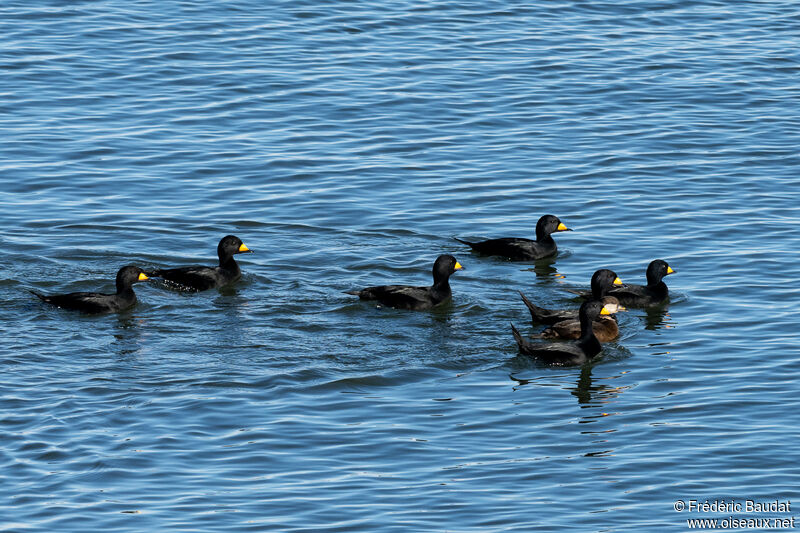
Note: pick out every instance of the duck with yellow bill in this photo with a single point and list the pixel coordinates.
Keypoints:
(201, 278)
(414, 297)
(96, 302)
(574, 353)
(519, 249)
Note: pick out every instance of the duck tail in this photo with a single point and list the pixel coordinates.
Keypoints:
(39, 295)
(535, 310)
(470, 244)
(517, 336)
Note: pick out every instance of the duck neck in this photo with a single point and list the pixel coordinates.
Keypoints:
(124, 289)
(658, 289)
(590, 345)
(586, 327)
(543, 237)
(441, 285)
(227, 262)
(587, 340)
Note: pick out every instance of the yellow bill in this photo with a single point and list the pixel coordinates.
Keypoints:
(617, 281)
(669, 270)
(561, 227)
(143, 277)
(244, 248)
(458, 266)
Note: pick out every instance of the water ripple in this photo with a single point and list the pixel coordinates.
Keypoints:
(346, 144)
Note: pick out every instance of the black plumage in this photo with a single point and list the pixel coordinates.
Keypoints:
(602, 282)
(654, 293)
(577, 353)
(95, 302)
(201, 278)
(413, 297)
(519, 249)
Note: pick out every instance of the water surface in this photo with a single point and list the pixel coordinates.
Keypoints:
(346, 143)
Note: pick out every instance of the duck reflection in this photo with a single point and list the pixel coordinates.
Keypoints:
(595, 396)
(233, 311)
(545, 268)
(583, 389)
(588, 393)
(657, 317)
(128, 334)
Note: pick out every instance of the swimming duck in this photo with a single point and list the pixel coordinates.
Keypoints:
(654, 293)
(416, 298)
(201, 278)
(575, 353)
(602, 281)
(605, 327)
(95, 302)
(518, 249)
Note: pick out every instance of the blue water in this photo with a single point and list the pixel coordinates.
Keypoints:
(346, 143)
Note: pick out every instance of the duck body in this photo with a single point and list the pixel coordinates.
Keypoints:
(95, 302)
(561, 354)
(642, 295)
(654, 293)
(406, 296)
(602, 281)
(519, 249)
(515, 249)
(413, 297)
(605, 328)
(202, 278)
(198, 278)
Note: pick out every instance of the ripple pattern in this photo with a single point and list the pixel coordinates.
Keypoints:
(346, 143)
